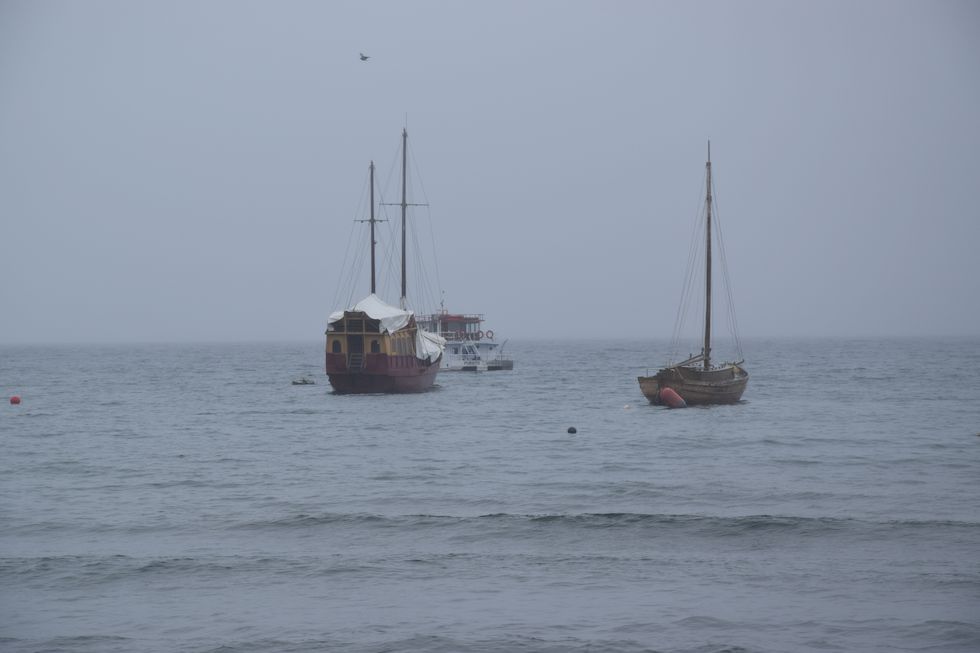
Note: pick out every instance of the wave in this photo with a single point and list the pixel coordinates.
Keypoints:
(304, 520)
(721, 636)
(870, 635)
(444, 644)
(70, 644)
(70, 571)
(611, 520)
(664, 523)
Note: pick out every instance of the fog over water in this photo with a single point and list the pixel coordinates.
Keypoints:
(191, 171)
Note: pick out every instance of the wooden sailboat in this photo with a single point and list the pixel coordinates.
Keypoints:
(375, 347)
(698, 380)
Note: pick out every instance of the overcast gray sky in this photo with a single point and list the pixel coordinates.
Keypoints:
(175, 171)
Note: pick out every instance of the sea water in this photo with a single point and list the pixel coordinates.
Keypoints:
(190, 498)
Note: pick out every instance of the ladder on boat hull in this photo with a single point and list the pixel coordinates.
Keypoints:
(355, 362)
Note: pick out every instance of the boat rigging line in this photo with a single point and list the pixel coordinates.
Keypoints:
(346, 280)
(691, 276)
(692, 297)
(723, 257)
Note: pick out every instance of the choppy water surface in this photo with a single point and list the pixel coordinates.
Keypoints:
(189, 498)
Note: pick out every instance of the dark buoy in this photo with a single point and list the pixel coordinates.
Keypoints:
(572, 429)
(15, 400)
(670, 397)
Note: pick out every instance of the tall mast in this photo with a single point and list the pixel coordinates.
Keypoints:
(404, 204)
(707, 275)
(372, 221)
(404, 300)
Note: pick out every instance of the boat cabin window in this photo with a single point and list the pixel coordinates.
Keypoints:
(355, 325)
(372, 326)
(375, 347)
(336, 346)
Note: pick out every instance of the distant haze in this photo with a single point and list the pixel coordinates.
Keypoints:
(177, 171)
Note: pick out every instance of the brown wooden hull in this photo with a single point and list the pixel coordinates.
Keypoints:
(381, 373)
(723, 385)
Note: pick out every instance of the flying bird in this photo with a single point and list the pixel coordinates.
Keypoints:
(364, 57)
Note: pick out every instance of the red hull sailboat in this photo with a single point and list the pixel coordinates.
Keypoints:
(374, 347)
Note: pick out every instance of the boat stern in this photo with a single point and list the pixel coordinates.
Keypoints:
(650, 387)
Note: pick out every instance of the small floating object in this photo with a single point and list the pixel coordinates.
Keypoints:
(572, 429)
(15, 400)
(304, 381)
(626, 407)
(670, 397)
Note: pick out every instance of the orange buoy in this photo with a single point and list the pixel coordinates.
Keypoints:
(670, 397)
(15, 400)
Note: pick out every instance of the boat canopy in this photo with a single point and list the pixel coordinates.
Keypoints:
(391, 319)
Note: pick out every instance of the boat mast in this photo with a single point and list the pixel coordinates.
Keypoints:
(404, 300)
(404, 204)
(707, 275)
(372, 221)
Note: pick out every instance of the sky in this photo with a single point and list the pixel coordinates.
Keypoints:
(191, 171)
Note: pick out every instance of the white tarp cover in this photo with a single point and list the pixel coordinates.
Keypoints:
(427, 345)
(391, 318)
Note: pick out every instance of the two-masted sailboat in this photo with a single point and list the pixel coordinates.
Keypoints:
(375, 347)
(698, 380)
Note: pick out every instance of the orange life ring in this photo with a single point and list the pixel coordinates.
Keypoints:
(490, 334)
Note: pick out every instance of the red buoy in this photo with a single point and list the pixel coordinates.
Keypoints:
(15, 400)
(670, 397)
